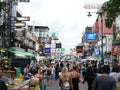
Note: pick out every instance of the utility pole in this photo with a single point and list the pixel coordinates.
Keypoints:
(97, 6)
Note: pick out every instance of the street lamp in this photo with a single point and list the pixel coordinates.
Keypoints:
(102, 59)
(100, 14)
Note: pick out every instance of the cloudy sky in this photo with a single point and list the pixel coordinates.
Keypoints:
(67, 18)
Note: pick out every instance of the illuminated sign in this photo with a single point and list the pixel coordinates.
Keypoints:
(20, 24)
(23, 18)
(91, 36)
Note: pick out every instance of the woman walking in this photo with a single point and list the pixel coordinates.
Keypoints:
(75, 78)
(64, 79)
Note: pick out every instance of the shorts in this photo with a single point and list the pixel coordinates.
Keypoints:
(52, 76)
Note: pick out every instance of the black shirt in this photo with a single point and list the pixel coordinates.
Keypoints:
(2, 85)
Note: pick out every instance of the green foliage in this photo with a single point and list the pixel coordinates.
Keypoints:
(116, 40)
(112, 8)
(2, 5)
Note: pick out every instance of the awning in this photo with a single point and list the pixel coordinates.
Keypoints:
(21, 53)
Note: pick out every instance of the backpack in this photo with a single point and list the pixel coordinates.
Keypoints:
(66, 85)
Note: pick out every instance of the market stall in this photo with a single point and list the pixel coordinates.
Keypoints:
(17, 85)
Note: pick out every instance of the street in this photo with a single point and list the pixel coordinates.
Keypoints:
(55, 86)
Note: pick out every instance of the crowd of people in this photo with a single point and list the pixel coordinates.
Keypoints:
(97, 77)
(70, 74)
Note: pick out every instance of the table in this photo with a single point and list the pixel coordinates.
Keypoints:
(19, 86)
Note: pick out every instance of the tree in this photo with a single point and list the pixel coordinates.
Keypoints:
(2, 5)
(112, 10)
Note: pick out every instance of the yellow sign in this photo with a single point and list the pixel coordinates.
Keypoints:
(40, 44)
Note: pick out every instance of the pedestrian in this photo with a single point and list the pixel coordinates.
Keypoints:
(2, 83)
(64, 79)
(116, 75)
(104, 81)
(89, 77)
(115, 72)
(53, 73)
(56, 71)
(48, 70)
(75, 78)
(118, 83)
(79, 68)
(83, 69)
(26, 71)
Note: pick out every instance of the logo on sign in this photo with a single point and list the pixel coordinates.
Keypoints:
(47, 50)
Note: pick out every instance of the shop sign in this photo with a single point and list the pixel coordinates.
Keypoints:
(116, 50)
(58, 50)
(19, 33)
(47, 45)
(92, 5)
(25, 18)
(53, 45)
(96, 52)
(47, 50)
(40, 44)
(22, 24)
(53, 50)
(24, 0)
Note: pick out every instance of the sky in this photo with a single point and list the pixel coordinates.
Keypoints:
(67, 18)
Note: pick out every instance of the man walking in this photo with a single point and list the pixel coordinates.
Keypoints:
(104, 81)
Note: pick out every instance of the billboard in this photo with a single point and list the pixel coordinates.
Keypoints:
(91, 36)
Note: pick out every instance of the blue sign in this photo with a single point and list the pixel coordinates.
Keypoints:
(96, 52)
(91, 36)
(47, 50)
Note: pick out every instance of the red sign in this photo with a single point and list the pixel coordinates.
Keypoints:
(79, 51)
(112, 51)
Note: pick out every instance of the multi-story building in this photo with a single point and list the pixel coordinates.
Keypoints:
(42, 35)
(103, 40)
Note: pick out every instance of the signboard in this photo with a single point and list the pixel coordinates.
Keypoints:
(79, 49)
(19, 29)
(96, 52)
(53, 45)
(25, 18)
(22, 24)
(58, 45)
(47, 50)
(24, 0)
(53, 50)
(86, 46)
(47, 45)
(91, 36)
(19, 33)
(58, 50)
(40, 44)
(92, 5)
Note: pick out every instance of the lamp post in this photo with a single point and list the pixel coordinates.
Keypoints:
(100, 14)
(102, 58)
